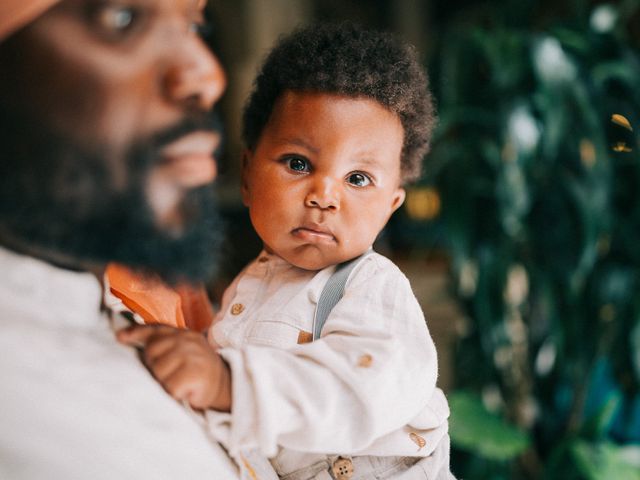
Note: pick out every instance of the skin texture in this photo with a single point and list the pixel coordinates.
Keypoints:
(117, 73)
(324, 177)
(320, 186)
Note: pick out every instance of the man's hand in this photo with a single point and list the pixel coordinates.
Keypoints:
(183, 363)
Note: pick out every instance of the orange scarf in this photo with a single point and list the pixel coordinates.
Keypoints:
(184, 306)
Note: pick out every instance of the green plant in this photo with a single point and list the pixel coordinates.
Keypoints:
(536, 162)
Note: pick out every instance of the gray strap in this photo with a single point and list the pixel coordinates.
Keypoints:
(332, 293)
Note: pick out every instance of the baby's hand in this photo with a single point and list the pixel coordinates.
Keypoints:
(183, 363)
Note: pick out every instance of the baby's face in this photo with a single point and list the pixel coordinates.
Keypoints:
(324, 177)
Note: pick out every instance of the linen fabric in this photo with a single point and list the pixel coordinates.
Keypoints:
(75, 404)
(367, 387)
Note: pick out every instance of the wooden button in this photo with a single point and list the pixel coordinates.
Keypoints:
(237, 309)
(342, 468)
(263, 259)
(304, 337)
(365, 361)
(418, 440)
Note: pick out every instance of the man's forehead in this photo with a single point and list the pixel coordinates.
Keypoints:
(15, 14)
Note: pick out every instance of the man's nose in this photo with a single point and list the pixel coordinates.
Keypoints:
(196, 77)
(324, 194)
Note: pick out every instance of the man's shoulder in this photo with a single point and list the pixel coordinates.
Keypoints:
(73, 389)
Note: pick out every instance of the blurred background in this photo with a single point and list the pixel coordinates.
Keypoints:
(522, 239)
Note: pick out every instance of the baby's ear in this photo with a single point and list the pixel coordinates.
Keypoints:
(398, 199)
(244, 185)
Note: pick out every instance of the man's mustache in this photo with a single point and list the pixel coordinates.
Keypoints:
(206, 123)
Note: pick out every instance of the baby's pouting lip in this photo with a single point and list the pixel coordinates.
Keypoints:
(314, 233)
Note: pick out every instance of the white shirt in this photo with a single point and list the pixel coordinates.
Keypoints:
(366, 387)
(75, 404)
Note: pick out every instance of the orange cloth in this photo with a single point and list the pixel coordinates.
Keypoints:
(185, 306)
(15, 14)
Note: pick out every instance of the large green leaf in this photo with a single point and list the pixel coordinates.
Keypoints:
(635, 344)
(607, 461)
(599, 425)
(474, 428)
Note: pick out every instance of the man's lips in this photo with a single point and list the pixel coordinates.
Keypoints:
(189, 160)
(314, 234)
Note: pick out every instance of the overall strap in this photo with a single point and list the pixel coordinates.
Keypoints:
(332, 292)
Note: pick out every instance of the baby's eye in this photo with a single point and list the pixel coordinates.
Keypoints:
(298, 164)
(358, 179)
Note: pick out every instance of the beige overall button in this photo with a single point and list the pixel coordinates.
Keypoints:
(237, 309)
(342, 468)
(304, 337)
(365, 361)
(418, 440)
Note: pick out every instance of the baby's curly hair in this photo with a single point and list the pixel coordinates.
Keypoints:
(345, 59)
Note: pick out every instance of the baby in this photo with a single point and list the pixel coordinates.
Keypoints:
(338, 121)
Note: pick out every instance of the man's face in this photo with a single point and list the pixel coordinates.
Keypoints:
(104, 128)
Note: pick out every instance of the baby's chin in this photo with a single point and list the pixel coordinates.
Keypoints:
(311, 258)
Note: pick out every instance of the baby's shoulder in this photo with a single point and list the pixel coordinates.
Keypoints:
(378, 267)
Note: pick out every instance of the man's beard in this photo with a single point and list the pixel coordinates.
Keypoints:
(62, 200)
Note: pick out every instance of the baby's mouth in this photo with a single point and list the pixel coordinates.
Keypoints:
(314, 234)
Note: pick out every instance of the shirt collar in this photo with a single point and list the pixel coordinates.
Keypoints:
(272, 262)
(49, 292)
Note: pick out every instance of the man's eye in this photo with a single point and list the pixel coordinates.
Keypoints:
(298, 164)
(358, 179)
(115, 18)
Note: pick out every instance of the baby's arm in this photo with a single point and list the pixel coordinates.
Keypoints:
(184, 364)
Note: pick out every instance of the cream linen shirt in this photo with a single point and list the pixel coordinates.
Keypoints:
(366, 387)
(75, 404)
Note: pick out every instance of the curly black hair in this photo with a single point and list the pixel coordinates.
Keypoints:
(346, 59)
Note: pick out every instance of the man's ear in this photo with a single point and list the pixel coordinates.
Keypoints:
(244, 185)
(398, 199)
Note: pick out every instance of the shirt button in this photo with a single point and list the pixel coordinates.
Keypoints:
(365, 361)
(342, 468)
(263, 259)
(237, 309)
(418, 440)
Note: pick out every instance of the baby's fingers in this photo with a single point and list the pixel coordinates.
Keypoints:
(164, 366)
(139, 335)
(184, 386)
